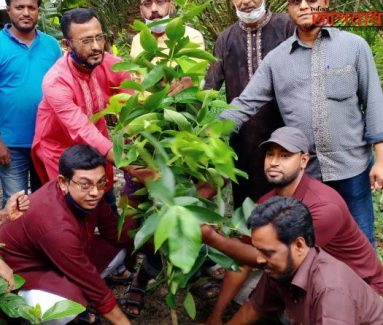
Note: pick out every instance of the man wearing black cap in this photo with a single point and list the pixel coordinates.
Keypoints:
(286, 157)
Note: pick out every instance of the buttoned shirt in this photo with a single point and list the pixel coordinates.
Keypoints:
(331, 92)
(322, 291)
(232, 50)
(70, 99)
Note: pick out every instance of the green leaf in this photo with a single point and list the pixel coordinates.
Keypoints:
(148, 41)
(196, 10)
(185, 200)
(166, 225)
(220, 258)
(138, 25)
(126, 110)
(162, 191)
(171, 301)
(118, 146)
(146, 231)
(19, 281)
(248, 206)
(128, 66)
(178, 119)
(153, 77)
(185, 241)
(187, 96)
(15, 306)
(204, 215)
(131, 84)
(139, 124)
(239, 223)
(175, 29)
(189, 305)
(155, 100)
(63, 309)
(196, 53)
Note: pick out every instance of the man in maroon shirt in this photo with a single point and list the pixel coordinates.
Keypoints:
(335, 229)
(54, 246)
(299, 278)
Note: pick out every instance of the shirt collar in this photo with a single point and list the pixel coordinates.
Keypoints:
(7, 32)
(303, 274)
(295, 41)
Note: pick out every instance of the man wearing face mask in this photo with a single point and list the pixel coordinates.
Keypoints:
(240, 49)
(153, 10)
(77, 86)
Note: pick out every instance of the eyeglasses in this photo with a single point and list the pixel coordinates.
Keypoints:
(298, 2)
(149, 3)
(89, 40)
(88, 186)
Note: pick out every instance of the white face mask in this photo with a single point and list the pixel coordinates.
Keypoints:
(252, 16)
(158, 29)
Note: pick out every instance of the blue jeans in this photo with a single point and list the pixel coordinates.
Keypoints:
(14, 177)
(356, 191)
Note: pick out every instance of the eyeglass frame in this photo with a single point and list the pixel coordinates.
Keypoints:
(298, 2)
(162, 3)
(103, 183)
(84, 40)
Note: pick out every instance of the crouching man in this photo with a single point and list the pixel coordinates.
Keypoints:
(54, 246)
(311, 286)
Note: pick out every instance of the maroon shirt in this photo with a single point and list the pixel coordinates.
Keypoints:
(322, 291)
(336, 230)
(50, 247)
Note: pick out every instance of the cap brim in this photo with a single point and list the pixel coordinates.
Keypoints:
(288, 146)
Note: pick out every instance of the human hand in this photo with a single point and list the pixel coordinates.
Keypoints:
(16, 205)
(206, 190)
(5, 156)
(7, 274)
(207, 233)
(178, 85)
(376, 176)
(141, 173)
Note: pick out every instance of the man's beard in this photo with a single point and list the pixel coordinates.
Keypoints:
(23, 29)
(285, 277)
(284, 181)
(83, 61)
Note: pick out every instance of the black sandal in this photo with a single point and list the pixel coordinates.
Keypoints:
(138, 303)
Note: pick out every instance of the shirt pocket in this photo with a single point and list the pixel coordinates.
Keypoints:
(341, 83)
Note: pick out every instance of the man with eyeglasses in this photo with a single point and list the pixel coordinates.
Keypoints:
(25, 57)
(78, 86)
(54, 246)
(152, 10)
(326, 84)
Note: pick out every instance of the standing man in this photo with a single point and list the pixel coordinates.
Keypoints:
(240, 49)
(54, 245)
(78, 86)
(300, 279)
(152, 10)
(26, 55)
(334, 97)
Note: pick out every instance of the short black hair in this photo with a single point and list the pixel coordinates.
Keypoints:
(8, 2)
(289, 217)
(79, 156)
(77, 16)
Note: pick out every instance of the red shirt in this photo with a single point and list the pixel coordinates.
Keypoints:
(70, 99)
(336, 230)
(51, 247)
(322, 291)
